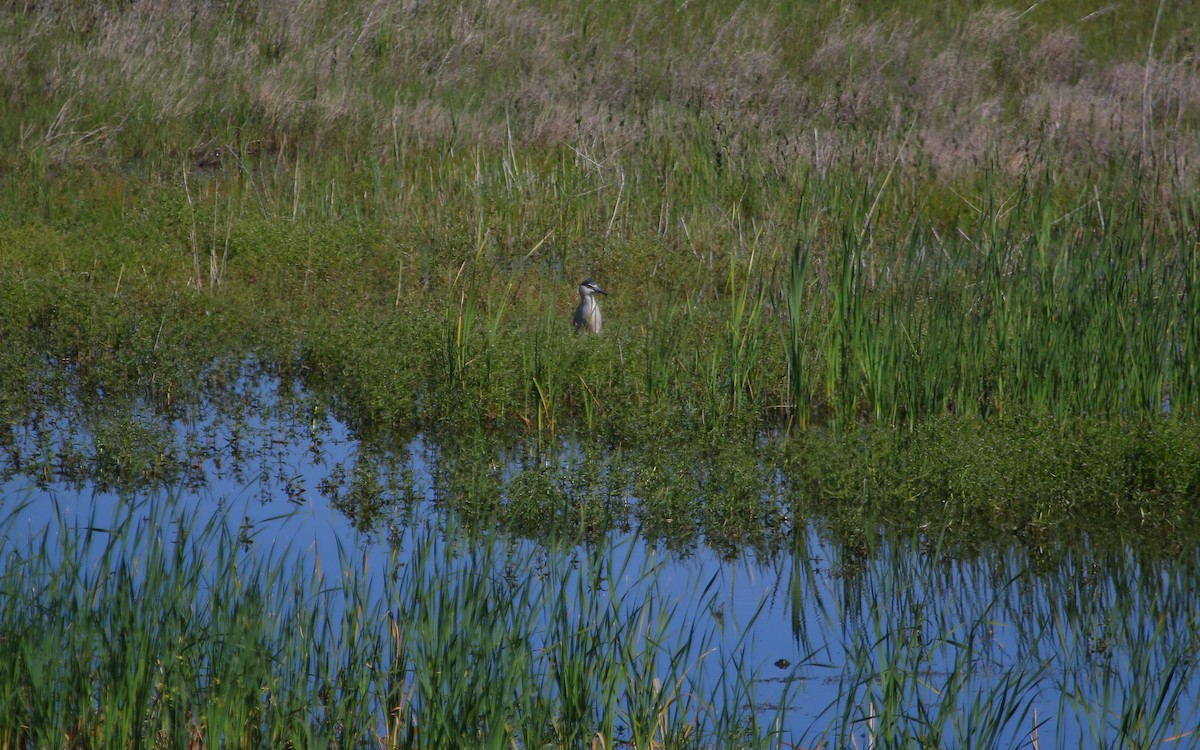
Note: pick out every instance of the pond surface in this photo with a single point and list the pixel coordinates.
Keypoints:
(890, 638)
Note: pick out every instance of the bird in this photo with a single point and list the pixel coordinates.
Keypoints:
(587, 315)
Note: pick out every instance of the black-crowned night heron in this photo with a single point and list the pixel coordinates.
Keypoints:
(587, 315)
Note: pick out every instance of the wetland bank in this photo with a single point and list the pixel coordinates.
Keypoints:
(890, 435)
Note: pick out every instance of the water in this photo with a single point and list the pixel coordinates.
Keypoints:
(1011, 646)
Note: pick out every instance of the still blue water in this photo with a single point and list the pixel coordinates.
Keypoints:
(1042, 651)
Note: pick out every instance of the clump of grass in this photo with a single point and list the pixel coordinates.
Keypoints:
(1072, 323)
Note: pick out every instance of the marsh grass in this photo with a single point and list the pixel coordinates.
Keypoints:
(925, 667)
(1066, 323)
(948, 251)
(298, 85)
(904, 239)
(173, 628)
(164, 628)
(891, 262)
(1047, 302)
(1024, 479)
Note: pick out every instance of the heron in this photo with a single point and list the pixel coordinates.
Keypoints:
(587, 315)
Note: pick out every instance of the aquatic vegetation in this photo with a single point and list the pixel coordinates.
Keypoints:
(1026, 479)
(1070, 321)
(419, 258)
(928, 668)
(918, 269)
(170, 625)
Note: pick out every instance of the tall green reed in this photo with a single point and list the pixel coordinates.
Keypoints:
(798, 297)
(1069, 319)
(460, 324)
(744, 329)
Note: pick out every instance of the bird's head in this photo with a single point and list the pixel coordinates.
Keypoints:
(587, 288)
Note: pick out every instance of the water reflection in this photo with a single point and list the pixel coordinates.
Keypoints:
(891, 636)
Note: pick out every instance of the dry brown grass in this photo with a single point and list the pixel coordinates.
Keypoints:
(360, 78)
